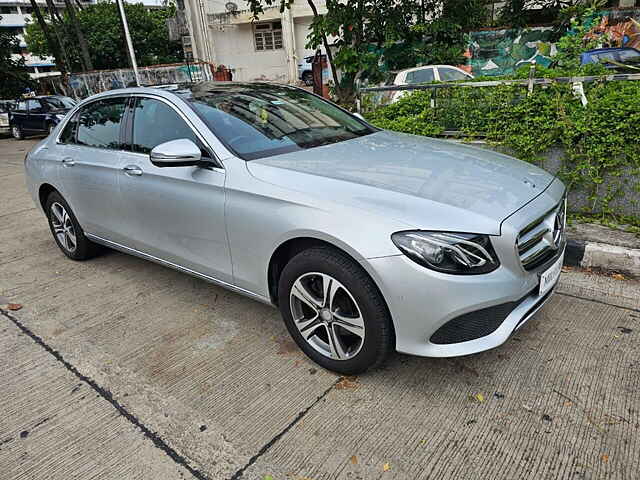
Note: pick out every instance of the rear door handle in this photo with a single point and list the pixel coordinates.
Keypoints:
(132, 170)
(68, 162)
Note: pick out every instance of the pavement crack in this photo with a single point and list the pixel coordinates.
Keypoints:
(631, 309)
(157, 440)
(265, 448)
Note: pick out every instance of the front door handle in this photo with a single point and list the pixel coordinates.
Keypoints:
(68, 162)
(132, 170)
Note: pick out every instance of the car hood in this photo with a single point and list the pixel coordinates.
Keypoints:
(423, 182)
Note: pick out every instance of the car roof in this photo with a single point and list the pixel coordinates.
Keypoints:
(192, 89)
(430, 66)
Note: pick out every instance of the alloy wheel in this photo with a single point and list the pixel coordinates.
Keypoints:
(327, 316)
(16, 132)
(63, 227)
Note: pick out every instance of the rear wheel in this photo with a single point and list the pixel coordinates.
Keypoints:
(334, 311)
(66, 230)
(17, 133)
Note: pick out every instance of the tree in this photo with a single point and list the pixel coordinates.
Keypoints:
(100, 25)
(53, 45)
(369, 37)
(359, 31)
(14, 78)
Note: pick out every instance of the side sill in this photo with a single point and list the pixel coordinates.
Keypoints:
(146, 256)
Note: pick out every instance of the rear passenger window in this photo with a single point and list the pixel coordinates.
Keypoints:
(155, 122)
(99, 123)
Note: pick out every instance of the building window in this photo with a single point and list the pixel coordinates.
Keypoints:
(268, 36)
(8, 10)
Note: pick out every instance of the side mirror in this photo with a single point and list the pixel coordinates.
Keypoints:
(176, 153)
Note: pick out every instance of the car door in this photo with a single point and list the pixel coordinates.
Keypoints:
(89, 150)
(36, 118)
(173, 213)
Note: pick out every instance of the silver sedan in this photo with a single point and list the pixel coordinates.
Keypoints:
(367, 241)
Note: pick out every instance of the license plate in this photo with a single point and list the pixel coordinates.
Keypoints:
(550, 276)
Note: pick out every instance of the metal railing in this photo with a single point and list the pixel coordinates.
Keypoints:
(447, 99)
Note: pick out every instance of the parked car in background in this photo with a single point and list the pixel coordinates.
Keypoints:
(304, 70)
(428, 74)
(368, 241)
(37, 115)
(5, 107)
(622, 55)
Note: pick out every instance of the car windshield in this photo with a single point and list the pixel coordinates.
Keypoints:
(59, 102)
(261, 120)
(629, 56)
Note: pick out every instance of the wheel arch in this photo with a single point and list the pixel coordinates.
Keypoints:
(43, 193)
(291, 247)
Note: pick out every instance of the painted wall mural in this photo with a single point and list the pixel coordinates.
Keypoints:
(501, 52)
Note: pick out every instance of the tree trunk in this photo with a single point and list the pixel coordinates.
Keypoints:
(84, 49)
(53, 45)
(53, 11)
(328, 51)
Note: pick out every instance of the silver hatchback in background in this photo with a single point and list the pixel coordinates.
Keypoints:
(366, 240)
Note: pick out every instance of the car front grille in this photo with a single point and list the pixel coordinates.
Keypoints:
(541, 239)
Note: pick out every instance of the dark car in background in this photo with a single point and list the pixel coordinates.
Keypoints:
(613, 58)
(36, 115)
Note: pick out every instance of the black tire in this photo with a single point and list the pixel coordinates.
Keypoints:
(84, 249)
(17, 132)
(307, 78)
(379, 338)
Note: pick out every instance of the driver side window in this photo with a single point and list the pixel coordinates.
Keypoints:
(155, 122)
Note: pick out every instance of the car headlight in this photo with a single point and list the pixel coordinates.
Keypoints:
(448, 252)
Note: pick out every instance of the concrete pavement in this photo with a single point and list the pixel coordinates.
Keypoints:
(120, 368)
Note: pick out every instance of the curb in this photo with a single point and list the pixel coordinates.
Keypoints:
(602, 256)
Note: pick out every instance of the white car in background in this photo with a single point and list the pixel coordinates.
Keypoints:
(427, 74)
(5, 106)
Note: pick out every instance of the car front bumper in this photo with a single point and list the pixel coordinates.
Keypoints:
(420, 307)
(484, 310)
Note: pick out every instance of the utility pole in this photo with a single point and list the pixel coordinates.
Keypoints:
(127, 36)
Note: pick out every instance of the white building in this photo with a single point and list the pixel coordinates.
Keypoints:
(269, 48)
(17, 13)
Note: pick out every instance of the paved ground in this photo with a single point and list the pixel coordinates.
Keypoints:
(121, 369)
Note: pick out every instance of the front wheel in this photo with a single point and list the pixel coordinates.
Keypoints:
(334, 311)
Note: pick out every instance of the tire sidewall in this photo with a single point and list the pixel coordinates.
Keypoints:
(361, 287)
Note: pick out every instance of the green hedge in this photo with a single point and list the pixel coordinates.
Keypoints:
(601, 142)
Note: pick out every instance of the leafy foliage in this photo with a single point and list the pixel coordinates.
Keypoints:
(371, 37)
(601, 156)
(101, 26)
(14, 77)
